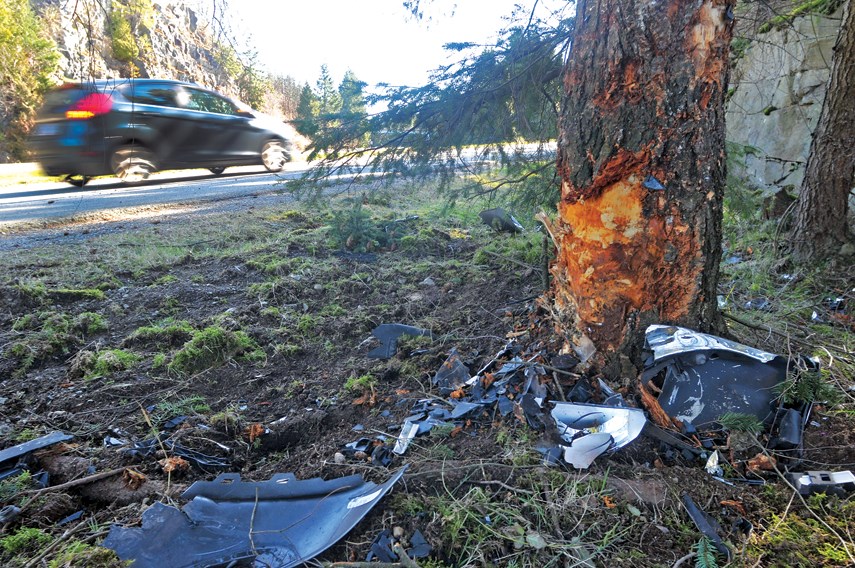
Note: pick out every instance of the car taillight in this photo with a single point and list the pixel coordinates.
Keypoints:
(91, 105)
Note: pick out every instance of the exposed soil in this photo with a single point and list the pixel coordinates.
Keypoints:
(280, 404)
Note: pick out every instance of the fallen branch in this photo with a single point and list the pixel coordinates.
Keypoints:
(75, 482)
(36, 493)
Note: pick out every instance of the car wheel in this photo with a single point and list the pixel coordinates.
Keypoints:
(133, 164)
(274, 155)
(217, 171)
(77, 180)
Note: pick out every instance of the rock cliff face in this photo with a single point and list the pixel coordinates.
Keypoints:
(777, 87)
(176, 42)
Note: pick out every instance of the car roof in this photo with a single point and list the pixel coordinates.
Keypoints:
(126, 81)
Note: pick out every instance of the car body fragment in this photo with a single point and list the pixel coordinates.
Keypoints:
(280, 522)
(707, 376)
(592, 429)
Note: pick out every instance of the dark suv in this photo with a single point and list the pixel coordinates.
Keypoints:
(133, 127)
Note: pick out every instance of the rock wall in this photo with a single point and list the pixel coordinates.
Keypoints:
(178, 43)
(777, 88)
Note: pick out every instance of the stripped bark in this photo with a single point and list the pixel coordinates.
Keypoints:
(645, 85)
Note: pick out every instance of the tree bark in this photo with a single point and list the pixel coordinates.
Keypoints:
(822, 224)
(641, 156)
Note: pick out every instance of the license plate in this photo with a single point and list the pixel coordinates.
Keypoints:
(47, 130)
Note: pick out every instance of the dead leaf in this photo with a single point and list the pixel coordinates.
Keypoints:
(174, 464)
(133, 479)
(459, 393)
(367, 399)
(762, 462)
(735, 505)
(488, 380)
(456, 431)
(254, 431)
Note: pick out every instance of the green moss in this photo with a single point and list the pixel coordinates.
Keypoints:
(77, 554)
(12, 486)
(71, 294)
(809, 7)
(211, 347)
(25, 539)
(333, 310)
(90, 323)
(25, 322)
(165, 279)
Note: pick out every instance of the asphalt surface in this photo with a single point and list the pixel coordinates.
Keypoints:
(45, 204)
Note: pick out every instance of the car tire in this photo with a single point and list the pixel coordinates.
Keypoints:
(274, 155)
(218, 170)
(77, 180)
(132, 164)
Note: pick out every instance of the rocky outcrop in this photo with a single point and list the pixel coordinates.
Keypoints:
(176, 43)
(777, 89)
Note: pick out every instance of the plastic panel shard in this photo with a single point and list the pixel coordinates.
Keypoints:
(707, 376)
(281, 522)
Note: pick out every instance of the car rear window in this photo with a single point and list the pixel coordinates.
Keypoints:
(152, 94)
(57, 101)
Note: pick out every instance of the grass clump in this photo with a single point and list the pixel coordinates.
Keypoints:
(211, 347)
(90, 323)
(360, 384)
(111, 361)
(169, 331)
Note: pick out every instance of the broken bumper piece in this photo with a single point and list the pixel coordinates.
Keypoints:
(592, 429)
(707, 376)
(838, 483)
(281, 522)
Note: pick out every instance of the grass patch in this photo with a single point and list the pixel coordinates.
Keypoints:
(170, 332)
(111, 361)
(211, 347)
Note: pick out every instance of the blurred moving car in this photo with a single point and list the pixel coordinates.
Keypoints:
(134, 127)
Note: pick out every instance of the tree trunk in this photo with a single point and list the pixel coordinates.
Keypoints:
(822, 217)
(642, 161)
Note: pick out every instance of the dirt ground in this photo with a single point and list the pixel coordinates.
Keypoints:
(244, 335)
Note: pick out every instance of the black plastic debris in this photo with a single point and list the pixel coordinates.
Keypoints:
(704, 376)
(593, 429)
(452, 375)
(71, 518)
(838, 483)
(652, 184)
(419, 547)
(282, 522)
(148, 448)
(11, 456)
(532, 411)
(707, 525)
(500, 220)
(9, 513)
(174, 423)
(381, 548)
(388, 334)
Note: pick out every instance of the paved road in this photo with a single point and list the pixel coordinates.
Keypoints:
(43, 203)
